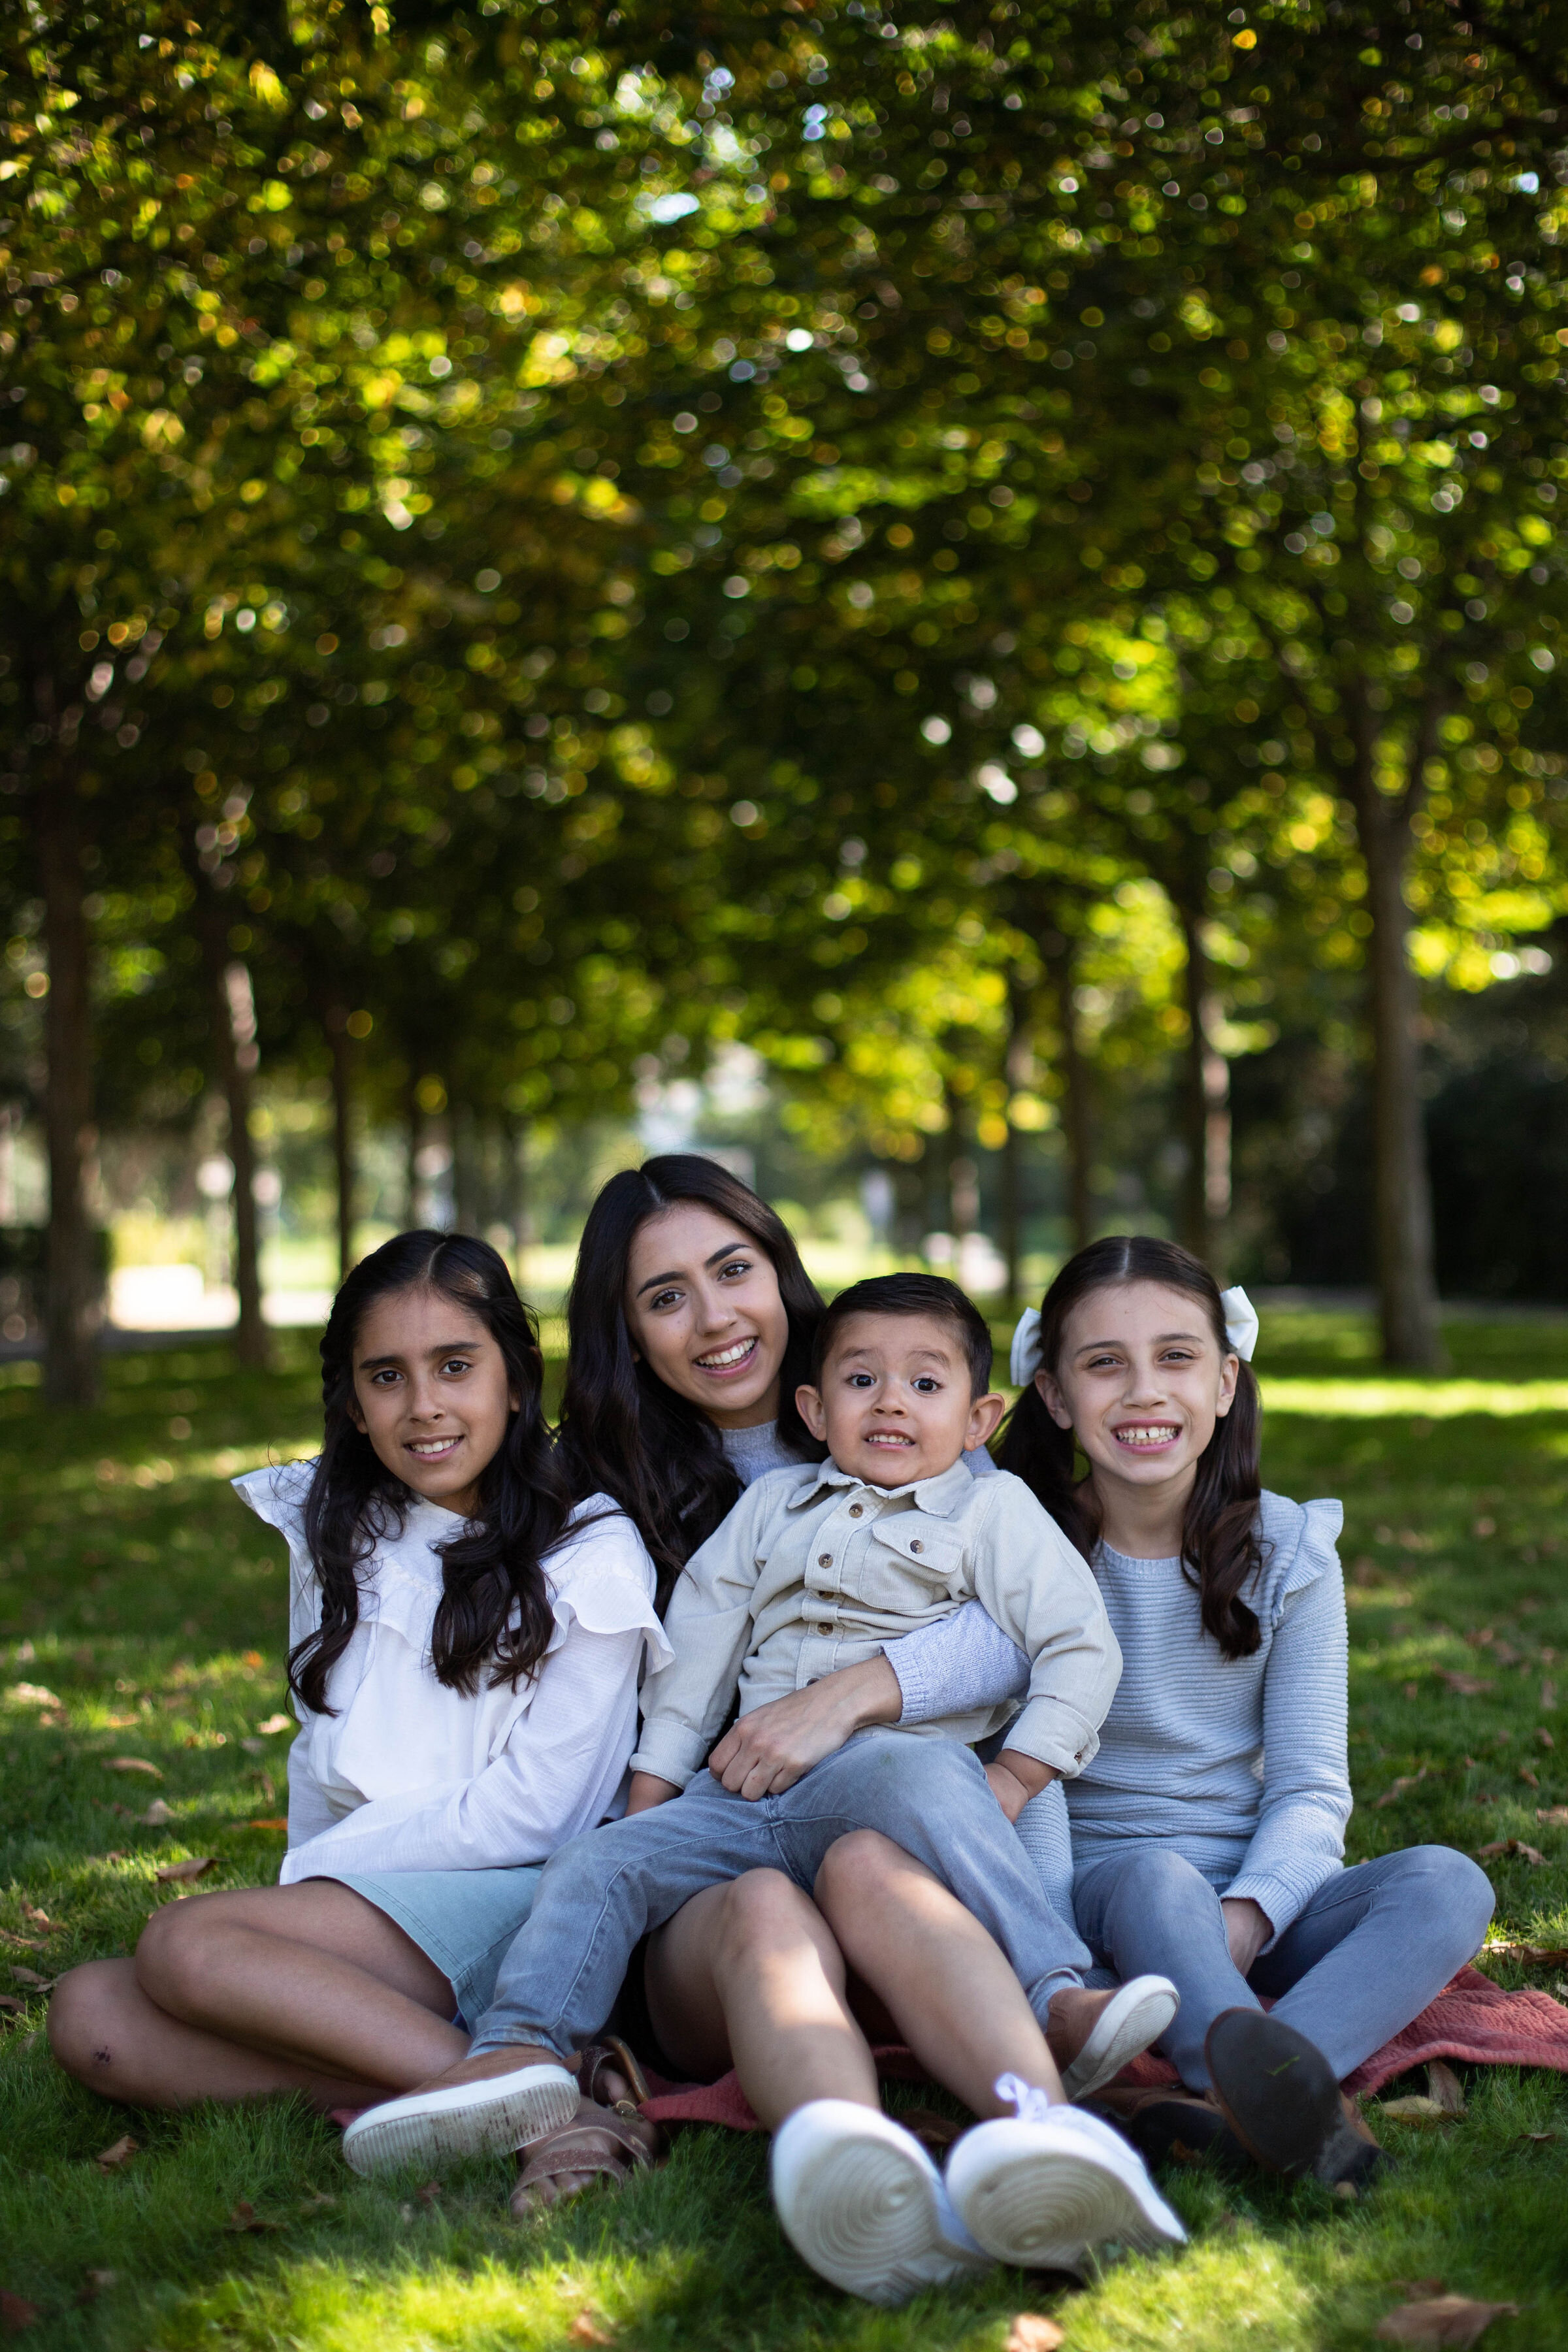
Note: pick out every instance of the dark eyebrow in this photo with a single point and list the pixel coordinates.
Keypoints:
(656, 1281)
(1163, 1340)
(445, 1348)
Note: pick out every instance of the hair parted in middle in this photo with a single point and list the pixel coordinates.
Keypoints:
(495, 1615)
(623, 1433)
(1220, 1550)
(912, 1293)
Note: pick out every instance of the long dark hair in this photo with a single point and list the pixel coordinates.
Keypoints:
(1220, 1551)
(623, 1433)
(495, 1609)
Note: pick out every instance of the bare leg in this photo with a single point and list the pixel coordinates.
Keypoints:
(750, 1971)
(941, 1977)
(282, 1988)
(105, 2031)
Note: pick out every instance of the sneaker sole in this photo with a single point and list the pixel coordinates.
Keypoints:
(1275, 2089)
(483, 2118)
(1122, 2032)
(1045, 2208)
(862, 2212)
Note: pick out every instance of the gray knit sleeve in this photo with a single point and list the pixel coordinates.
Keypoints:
(1299, 1837)
(962, 1662)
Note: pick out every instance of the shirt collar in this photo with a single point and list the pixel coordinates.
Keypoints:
(941, 1496)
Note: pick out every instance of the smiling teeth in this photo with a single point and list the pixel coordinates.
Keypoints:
(1156, 1434)
(432, 1444)
(723, 1357)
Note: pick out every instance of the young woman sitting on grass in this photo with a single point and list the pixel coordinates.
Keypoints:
(466, 1649)
(691, 1321)
(1208, 1831)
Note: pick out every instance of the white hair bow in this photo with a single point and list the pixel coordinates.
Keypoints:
(1240, 1329)
(1240, 1322)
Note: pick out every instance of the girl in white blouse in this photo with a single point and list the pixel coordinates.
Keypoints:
(466, 1645)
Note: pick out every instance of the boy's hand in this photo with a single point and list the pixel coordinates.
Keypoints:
(648, 1790)
(1015, 1778)
(1247, 1928)
(770, 1749)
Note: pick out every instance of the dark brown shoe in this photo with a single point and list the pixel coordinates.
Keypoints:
(1172, 2126)
(1277, 2093)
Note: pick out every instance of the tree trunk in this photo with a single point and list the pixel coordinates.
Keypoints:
(234, 1032)
(70, 1308)
(341, 1046)
(1058, 954)
(1205, 1095)
(465, 1170)
(514, 1169)
(1406, 1276)
(1016, 1066)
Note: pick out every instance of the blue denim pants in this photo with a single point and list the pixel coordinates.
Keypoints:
(1364, 1955)
(600, 1895)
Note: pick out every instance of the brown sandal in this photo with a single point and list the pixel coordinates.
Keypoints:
(611, 2056)
(604, 2142)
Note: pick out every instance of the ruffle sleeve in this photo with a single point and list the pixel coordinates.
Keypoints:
(276, 1494)
(1300, 1545)
(602, 1580)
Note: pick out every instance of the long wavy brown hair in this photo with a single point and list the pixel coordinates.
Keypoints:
(1220, 1550)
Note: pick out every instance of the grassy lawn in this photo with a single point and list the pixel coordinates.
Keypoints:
(142, 1615)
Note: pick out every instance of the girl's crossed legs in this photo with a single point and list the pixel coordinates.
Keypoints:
(306, 1988)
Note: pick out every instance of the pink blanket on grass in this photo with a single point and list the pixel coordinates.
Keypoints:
(1472, 2020)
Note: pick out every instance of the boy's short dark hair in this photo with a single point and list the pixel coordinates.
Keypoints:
(910, 1294)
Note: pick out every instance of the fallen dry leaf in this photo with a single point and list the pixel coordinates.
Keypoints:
(1405, 1781)
(1529, 1854)
(271, 1821)
(1417, 2109)
(31, 1977)
(244, 2219)
(15, 2313)
(32, 1695)
(1557, 1814)
(41, 1919)
(589, 2328)
(275, 1723)
(1529, 1955)
(1467, 1685)
(97, 2283)
(1446, 2088)
(1549, 1696)
(1527, 1777)
(430, 2194)
(10, 2005)
(1442, 2319)
(21, 1943)
(157, 1815)
(1544, 1736)
(317, 2201)
(132, 1764)
(1537, 2136)
(1032, 2332)
(250, 1658)
(196, 1867)
(119, 2152)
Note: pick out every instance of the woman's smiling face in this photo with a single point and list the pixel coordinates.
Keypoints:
(704, 1312)
(1141, 1382)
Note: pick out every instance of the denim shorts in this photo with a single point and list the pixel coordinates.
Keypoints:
(463, 1920)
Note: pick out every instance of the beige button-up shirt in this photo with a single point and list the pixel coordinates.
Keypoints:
(813, 1569)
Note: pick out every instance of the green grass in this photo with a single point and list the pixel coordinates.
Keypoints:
(136, 1589)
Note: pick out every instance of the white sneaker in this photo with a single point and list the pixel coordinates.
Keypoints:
(1042, 2191)
(1134, 2017)
(860, 2201)
(487, 2117)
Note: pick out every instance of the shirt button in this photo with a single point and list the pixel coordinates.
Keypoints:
(916, 1545)
(825, 1559)
(856, 1509)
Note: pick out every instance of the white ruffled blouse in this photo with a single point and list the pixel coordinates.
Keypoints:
(409, 1775)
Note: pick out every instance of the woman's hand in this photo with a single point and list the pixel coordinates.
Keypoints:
(1247, 1928)
(648, 1790)
(770, 1749)
(1015, 1778)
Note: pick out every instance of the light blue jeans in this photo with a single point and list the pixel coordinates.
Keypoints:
(600, 1895)
(1365, 1955)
